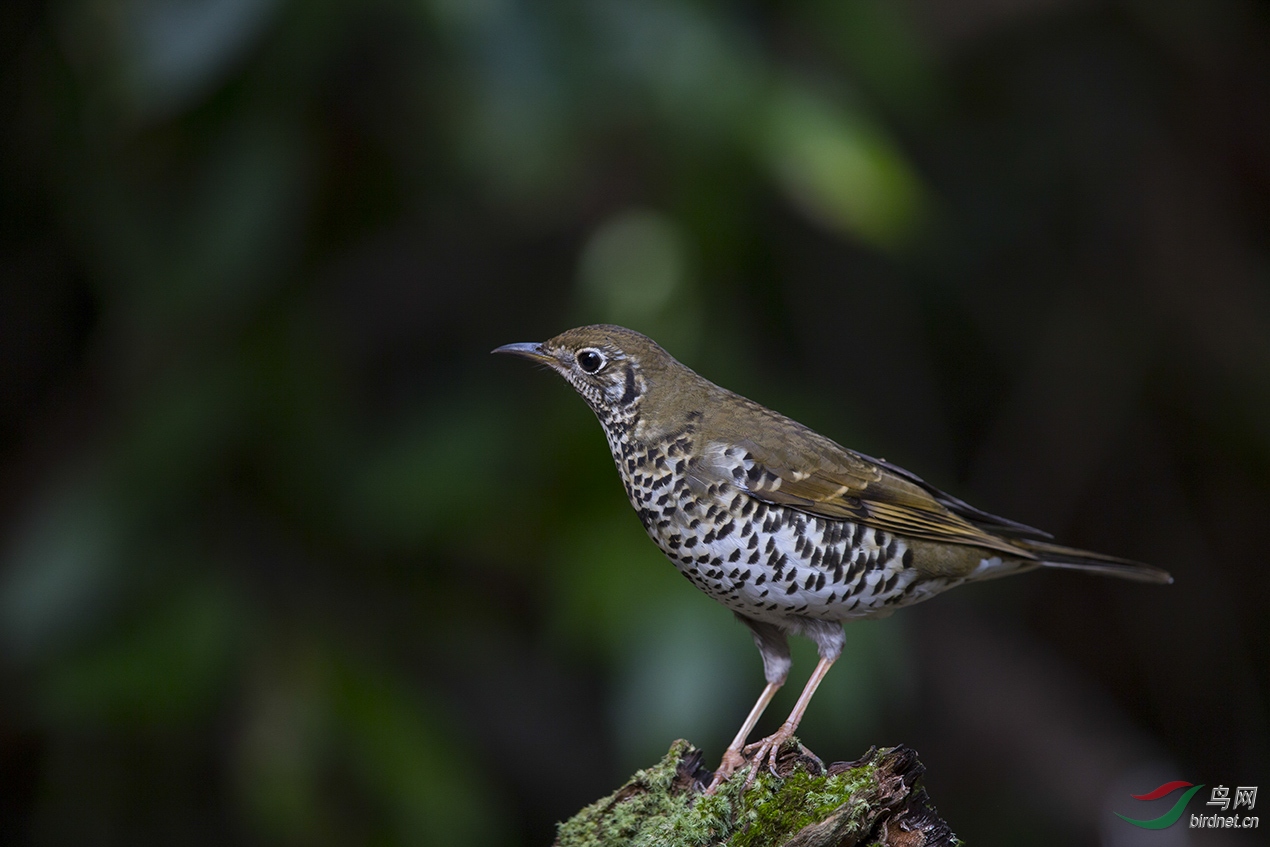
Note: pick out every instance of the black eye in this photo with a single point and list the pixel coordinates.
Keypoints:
(590, 361)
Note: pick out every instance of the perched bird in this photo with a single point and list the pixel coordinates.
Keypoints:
(791, 531)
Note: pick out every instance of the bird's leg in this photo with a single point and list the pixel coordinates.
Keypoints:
(732, 757)
(773, 646)
(768, 748)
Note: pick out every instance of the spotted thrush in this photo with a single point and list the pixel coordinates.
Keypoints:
(791, 531)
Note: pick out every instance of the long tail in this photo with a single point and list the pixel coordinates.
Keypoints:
(1057, 556)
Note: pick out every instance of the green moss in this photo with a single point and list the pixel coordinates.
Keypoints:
(775, 809)
(646, 811)
(657, 807)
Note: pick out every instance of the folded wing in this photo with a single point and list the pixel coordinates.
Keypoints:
(819, 477)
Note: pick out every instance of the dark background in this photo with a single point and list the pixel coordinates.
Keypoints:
(288, 558)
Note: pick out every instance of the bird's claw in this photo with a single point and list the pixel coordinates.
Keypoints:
(766, 751)
(763, 752)
(733, 761)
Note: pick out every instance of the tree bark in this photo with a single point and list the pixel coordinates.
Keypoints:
(877, 800)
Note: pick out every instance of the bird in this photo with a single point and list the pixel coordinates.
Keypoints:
(792, 532)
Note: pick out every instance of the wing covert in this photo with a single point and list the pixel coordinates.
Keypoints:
(831, 482)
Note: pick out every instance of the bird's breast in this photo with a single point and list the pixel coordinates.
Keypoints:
(764, 561)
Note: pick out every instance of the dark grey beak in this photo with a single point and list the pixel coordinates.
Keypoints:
(531, 350)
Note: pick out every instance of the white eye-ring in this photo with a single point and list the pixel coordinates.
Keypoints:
(591, 360)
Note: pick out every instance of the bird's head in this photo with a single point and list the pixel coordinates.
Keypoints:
(613, 368)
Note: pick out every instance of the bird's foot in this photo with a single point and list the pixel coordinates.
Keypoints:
(733, 761)
(768, 749)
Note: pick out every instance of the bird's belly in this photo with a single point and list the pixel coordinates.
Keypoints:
(770, 562)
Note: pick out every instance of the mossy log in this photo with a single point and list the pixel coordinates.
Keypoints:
(877, 800)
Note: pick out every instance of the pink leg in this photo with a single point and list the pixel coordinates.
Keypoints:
(732, 758)
(770, 746)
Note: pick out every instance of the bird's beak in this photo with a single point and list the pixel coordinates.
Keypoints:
(531, 350)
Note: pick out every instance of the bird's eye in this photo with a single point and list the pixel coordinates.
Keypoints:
(590, 360)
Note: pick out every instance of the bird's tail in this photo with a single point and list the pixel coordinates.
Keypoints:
(1057, 556)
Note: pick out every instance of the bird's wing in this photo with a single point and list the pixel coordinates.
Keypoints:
(815, 475)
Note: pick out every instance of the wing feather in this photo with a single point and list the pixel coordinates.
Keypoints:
(815, 475)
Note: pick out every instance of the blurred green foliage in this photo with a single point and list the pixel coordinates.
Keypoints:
(289, 560)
